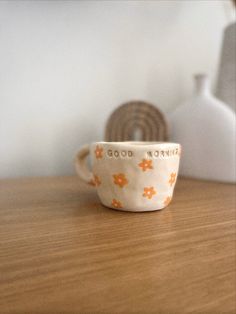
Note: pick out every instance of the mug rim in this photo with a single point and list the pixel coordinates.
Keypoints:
(136, 143)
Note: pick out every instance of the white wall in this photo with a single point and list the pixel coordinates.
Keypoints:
(64, 66)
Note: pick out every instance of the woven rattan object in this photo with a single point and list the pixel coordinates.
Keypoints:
(136, 120)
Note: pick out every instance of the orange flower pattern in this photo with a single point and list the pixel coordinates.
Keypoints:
(146, 164)
(172, 178)
(149, 192)
(92, 182)
(116, 203)
(98, 152)
(167, 201)
(97, 180)
(120, 179)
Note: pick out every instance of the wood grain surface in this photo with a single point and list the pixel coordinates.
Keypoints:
(63, 252)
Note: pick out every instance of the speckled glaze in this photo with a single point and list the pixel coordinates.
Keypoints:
(132, 176)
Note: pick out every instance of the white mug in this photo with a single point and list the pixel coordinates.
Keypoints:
(131, 176)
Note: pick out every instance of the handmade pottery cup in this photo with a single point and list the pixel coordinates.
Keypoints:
(131, 176)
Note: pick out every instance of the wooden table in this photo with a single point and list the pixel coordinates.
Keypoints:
(63, 252)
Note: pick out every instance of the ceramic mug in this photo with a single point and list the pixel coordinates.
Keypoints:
(131, 176)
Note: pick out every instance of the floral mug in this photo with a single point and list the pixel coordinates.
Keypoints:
(131, 176)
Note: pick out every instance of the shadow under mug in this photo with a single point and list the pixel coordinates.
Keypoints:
(131, 176)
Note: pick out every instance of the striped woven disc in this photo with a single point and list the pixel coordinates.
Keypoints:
(136, 120)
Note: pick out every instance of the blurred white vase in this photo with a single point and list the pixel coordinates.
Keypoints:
(205, 127)
(226, 82)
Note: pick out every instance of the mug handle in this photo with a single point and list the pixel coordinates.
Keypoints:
(81, 166)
